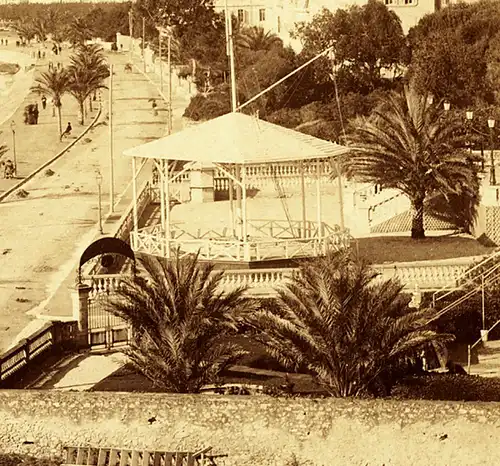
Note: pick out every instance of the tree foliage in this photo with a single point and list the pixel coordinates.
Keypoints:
(366, 39)
(343, 325)
(450, 52)
(410, 145)
(181, 322)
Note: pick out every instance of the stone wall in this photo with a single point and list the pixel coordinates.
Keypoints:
(258, 430)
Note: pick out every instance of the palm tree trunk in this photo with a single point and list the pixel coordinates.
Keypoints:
(417, 227)
(81, 113)
(59, 119)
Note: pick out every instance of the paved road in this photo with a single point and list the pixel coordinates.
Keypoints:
(43, 235)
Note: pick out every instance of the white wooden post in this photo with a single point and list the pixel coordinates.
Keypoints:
(167, 207)
(246, 246)
(162, 206)
(303, 194)
(318, 205)
(134, 195)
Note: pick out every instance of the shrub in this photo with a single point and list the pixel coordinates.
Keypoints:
(448, 387)
(11, 459)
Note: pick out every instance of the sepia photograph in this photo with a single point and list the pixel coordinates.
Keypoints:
(249, 232)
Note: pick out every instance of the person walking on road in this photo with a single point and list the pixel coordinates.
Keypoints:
(44, 102)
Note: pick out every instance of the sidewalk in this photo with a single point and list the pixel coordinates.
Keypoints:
(59, 305)
(36, 144)
(45, 233)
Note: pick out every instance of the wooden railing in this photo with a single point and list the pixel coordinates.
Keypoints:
(51, 336)
(267, 239)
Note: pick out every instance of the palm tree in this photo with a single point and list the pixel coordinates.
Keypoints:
(90, 58)
(342, 325)
(25, 30)
(180, 321)
(255, 38)
(78, 31)
(53, 84)
(408, 144)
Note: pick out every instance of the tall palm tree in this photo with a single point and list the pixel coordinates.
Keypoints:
(255, 38)
(78, 31)
(408, 144)
(53, 84)
(342, 325)
(82, 83)
(181, 322)
(90, 58)
(25, 30)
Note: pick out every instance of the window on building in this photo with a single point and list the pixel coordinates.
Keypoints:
(262, 14)
(279, 24)
(241, 16)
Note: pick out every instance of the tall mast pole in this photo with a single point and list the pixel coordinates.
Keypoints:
(230, 52)
(169, 65)
(144, 42)
(161, 58)
(111, 161)
(131, 31)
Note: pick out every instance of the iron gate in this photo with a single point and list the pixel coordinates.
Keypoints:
(106, 331)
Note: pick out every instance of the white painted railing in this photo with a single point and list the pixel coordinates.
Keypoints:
(263, 282)
(388, 208)
(267, 239)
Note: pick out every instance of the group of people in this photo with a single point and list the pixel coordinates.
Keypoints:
(8, 168)
(4, 41)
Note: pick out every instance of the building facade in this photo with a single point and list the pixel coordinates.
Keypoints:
(281, 16)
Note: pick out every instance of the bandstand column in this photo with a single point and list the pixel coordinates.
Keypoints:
(231, 201)
(162, 205)
(303, 194)
(167, 208)
(246, 245)
(318, 205)
(134, 195)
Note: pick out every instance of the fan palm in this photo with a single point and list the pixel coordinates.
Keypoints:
(255, 38)
(53, 84)
(408, 144)
(341, 324)
(180, 321)
(25, 30)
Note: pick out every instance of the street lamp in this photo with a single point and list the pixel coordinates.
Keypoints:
(446, 105)
(491, 126)
(98, 178)
(13, 128)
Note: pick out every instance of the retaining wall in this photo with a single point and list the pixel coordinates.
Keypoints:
(256, 430)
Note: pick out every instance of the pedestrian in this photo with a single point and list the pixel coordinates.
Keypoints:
(67, 131)
(60, 50)
(153, 106)
(39, 54)
(43, 54)
(2, 41)
(6, 41)
(8, 172)
(44, 102)
(59, 65)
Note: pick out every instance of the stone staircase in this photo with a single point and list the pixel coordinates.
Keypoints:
(489, 360)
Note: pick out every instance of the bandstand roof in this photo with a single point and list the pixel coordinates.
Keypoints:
(237, 138)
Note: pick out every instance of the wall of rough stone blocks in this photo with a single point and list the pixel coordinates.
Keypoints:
(256, 430)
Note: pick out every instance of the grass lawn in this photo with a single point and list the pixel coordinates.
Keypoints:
(382, 249)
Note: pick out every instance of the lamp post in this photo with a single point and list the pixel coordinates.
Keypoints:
(13, 128)
(469, 115)
(98, 178)
(491, 126)
(446, 105)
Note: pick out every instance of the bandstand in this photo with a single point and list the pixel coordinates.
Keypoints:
(241, 148)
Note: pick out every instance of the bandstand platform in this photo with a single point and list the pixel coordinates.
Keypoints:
(243, 232)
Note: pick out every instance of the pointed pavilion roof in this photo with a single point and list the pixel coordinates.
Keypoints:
(237, 138)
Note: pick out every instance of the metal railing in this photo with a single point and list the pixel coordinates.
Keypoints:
(50, 336)
(448, 290)
(482, 338)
